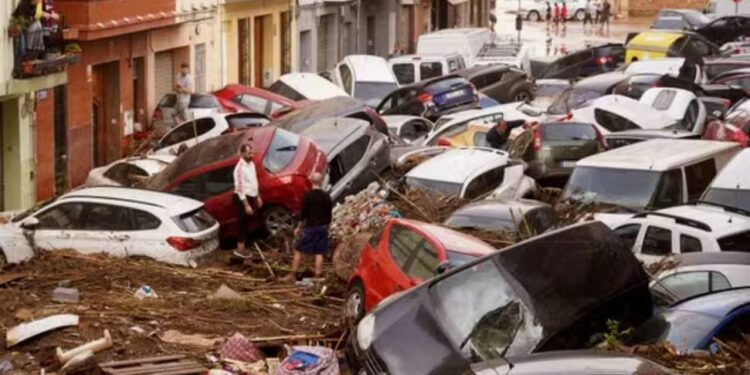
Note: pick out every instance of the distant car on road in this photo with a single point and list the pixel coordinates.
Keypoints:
(403, 254)
(244, 98)
(128, 172)
(200, 106)
(431, 98)
(116, 221)
(680, 19)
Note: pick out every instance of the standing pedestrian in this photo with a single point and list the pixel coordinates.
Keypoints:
(598, 7)
(312, 231)
(588, 13)
(564, 15)
(606, 14)
(556, 17)
(548, 15)
(183, 89)
(246, 198)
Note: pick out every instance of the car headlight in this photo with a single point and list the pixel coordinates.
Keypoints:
(365, 330)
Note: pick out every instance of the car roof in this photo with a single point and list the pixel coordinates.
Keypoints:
(734, 175)
(333, 107)
(480, 69)
(657, 154)
(717, 304)
(669, 65)
(330, 132)
(272, 96)
(312, 86)
(172, 204)
(712, 258)
(453, 240)
(369, 68)
(458, 165)
(643, 114)
(422, 57)
(497, 208)
(151, 163)
(719, 221)
(660, 39)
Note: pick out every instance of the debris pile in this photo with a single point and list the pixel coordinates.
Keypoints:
(363, 212)
(426, 205)
(730, 357)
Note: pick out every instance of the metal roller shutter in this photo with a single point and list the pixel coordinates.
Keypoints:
(164, 74)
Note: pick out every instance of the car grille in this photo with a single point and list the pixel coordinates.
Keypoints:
(373, 364)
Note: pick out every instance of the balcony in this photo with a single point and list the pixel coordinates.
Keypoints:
(29, 62)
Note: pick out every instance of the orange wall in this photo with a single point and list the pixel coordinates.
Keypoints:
(44, 172)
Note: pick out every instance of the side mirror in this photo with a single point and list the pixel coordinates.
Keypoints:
(30, 223)
(443, 267)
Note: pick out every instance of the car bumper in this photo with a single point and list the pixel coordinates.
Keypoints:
(363, 362)
(537, 170)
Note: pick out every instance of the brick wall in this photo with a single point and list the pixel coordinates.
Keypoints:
(80, 134)
(638, 8)
(44, 172)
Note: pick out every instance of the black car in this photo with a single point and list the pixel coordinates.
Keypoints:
(726, 29)
(431, 98)
(680, 19)
(578, 362)
(586, 63)
(499, 307)
(500, 82)
(341, 106)
(357, 154)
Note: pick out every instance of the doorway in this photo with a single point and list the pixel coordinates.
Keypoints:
(61, 139)
(139, 93)
(106, 113)
(258, 51)
(370, 35)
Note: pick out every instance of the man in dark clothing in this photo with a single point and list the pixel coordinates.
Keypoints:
(497, 137)
(312, 231)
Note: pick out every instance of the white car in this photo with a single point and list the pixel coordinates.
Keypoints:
(128, 171)
(680, 105)
(535, 10)
(473, 173)
(192, 132)
(116, 221)
(306, 86)
(411, 129)
(456, 123)
(700, 273)
(367, 78)
(731, 187)
(414, 68)
(614, 113)
(467, 42)
(669, 66)
(685, 229)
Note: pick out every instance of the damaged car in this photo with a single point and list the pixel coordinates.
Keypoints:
(526, 216)
(497, 308)
(131, 171)
(342, 106)
(115, 221)
(190, 133)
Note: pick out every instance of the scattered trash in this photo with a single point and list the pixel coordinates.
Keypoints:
(361, 212)
(175, 337)
(237, 367)
(82, 362)
(25, 331)
(170, 364)
(239, 348)
(6, 367)
(225, 292)
(92, 346)
(24, 315)
(65, 295)
(11, 277)
(145, 292)
(307, 282)
(310, 360)
(137, 330)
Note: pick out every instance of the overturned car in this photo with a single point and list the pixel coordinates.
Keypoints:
(506, 306)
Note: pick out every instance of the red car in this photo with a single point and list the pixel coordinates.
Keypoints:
(734, 128)
(237, 98)
(285, 161)
(402, 255)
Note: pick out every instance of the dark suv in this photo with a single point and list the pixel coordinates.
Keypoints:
(431, 98)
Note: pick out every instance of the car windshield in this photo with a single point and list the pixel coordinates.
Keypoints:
(571, 99)
(482, 315)
(195, 221)
(458, 259)
(203, 101)
(730, 198)
(683, 329)
(448, 188)
(568, 132)
(281, 151)
(480, 222)
(627, 188)
(669, 23)
(372, 93)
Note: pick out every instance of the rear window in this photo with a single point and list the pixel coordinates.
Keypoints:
(669, 23)
(404, 73)
(429, 70)
(446, 84)
(735, 242)
(664, 100)
(568, 132)
(203, 101)
(283, 89)
(195, 221)
(447, 188)
(281, 151)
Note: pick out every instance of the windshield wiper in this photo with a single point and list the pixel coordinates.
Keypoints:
(287, 148)
(482, 320)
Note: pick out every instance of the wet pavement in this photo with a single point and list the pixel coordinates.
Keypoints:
(548, 42)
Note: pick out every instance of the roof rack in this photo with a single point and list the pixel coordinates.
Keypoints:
(678, 219)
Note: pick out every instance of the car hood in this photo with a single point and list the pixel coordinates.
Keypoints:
(600, 273)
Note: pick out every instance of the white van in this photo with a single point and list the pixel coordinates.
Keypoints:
(367, 78)
(465, 41)
(721, 8)
(414, 68)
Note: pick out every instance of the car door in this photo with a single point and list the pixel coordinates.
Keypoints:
(144, 237)
(391, 267)
(658, 242)
(355, 171)
(188, 133)
(682, 285)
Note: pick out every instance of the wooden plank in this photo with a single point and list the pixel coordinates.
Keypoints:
(190, 366)
(143, 360)
(7, 278)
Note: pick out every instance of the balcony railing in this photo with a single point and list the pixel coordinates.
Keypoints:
(40, 50)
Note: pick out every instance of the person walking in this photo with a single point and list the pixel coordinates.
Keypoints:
(588, 13)
(598, 17)
(312, 231)
(556, 17)
(246, 198)
(606, 14)
(564, 15)
(183, 89)
(548, 15)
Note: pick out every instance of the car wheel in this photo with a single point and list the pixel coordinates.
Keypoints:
(580, 14)
(355, 302)
(534, 16)
(522, 96)
(278, 219)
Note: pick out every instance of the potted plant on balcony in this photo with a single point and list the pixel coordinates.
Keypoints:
(17, 26)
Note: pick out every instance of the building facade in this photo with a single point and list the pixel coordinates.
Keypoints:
(132, 52)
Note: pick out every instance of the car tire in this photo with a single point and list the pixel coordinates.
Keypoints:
(580, 14)
(522, 95)
(278, 220)
(355, 302)
(534, 16)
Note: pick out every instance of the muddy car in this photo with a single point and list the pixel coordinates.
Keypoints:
(341, 106)
(498, 307)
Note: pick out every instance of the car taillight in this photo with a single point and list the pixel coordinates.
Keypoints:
(739, 137)
(157, 114)
(604, 60)
(537, 139)
(424, 97)
(443, 142)
(182, 243)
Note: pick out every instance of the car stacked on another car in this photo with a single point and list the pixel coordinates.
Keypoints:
(238, 98)
(499, 82)
(192, 132)
(431, 98)
(528, 217)
(199, 106)
(367, 78)
(132, 171)
(342, 106)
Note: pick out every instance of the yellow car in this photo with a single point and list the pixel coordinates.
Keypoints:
(659, 44)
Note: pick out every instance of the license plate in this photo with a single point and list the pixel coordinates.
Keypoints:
(455, 94)
(568, 164)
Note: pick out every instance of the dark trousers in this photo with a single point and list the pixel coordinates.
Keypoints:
(587, 19)
(242, 216)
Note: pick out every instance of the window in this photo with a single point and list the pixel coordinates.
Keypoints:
(669, 191)
(424, 264)
(691, 115)
(613, 122)
(203, 101)
(246, 121)
(256, 104)
(403, 244)
(346, 78)
(628, 233)
(335, 170)
(699, 47)
(281, 151)
(429, 70)
(658, 241)
(218, 181)
(690, 244)
(682, 285)
(123, 173)
(479, 82)
(105, 217)
(188, 130)
(285, 90)
(143, 220)
(353, 153)
(191, 188)
(735, 242)
(485, 183)
(455, 64)
(195, 221)
(404, 73)
(698, 177)
(63, 216)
